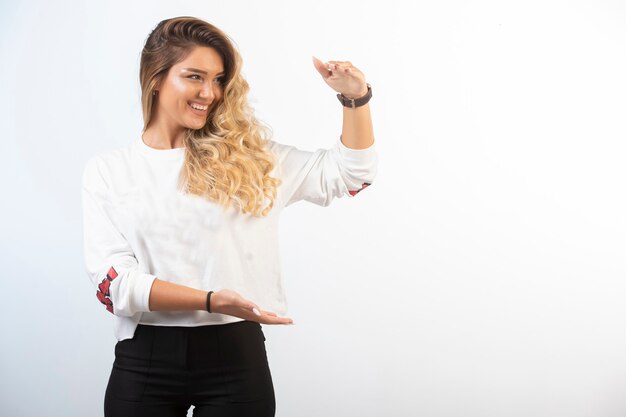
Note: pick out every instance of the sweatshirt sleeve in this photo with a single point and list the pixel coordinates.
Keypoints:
(109, 260)
(325, 174)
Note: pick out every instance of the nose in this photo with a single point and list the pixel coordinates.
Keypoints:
(207, 92)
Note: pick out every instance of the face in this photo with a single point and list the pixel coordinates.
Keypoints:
(195, 81)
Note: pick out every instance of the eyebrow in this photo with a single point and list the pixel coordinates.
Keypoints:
(200, 71)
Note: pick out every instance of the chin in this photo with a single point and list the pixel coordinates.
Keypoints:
(195, 125)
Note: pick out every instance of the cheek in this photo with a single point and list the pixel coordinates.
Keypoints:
(178, 87)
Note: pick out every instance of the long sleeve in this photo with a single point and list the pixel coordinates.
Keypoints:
(109, 260)
(325, 174)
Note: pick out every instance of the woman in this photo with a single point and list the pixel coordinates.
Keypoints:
(181, 226)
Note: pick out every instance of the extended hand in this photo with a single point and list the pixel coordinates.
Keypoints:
(342, 77)
(231, 303)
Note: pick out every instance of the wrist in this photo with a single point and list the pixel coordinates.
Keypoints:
(211, 302)
(353, 102)
(361, 93)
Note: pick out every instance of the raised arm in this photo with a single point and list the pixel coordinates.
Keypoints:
(344, 78)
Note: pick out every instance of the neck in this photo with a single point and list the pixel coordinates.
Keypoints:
(161, 137)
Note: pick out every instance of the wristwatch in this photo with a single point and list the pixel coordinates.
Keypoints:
(356, 102)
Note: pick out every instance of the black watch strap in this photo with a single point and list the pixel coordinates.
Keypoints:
(356, 102)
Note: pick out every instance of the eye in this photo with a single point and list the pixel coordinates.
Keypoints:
(195, 75)
(220, 80)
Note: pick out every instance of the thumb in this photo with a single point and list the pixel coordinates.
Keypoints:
(321, 68)
(254, 309)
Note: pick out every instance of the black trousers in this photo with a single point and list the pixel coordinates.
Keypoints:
(222, 370)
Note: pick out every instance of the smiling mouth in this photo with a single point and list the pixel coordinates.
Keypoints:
(198, 112)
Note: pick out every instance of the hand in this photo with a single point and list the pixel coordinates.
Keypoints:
(342, 77)
(231, 303)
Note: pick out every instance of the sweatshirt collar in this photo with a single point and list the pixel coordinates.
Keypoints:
(158, 153)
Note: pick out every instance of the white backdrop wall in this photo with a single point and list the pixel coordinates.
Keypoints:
(481, 275)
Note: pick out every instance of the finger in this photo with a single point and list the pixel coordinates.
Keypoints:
(269, 317)
(335, 66)
(321, 68)
(338, 71)
(273, 318)
(340, 65)
(278, 320)
(254, 308)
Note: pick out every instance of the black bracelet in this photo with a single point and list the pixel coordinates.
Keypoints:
(208, 301)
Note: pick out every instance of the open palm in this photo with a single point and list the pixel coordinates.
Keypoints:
(233, 304)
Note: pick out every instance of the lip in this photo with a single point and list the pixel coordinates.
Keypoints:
(197, 112)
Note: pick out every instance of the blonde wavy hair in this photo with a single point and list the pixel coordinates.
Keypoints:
(227, 160)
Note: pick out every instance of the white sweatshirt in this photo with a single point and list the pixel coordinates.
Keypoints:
(138, 226)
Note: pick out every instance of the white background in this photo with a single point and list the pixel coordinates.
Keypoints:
(481, 275)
